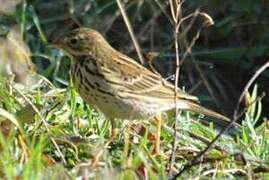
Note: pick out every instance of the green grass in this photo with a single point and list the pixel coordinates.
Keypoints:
(80, 132)
(47, 131)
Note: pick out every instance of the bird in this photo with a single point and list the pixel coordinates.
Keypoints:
(119, 86)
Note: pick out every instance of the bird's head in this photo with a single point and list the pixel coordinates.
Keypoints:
(81, 41)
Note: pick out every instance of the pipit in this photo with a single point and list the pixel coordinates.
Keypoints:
(117, 85)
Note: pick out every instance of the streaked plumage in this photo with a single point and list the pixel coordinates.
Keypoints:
(117, 85)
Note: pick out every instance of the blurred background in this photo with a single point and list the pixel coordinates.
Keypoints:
(219, 65)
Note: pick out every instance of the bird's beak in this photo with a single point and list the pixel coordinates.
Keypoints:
(55, 45)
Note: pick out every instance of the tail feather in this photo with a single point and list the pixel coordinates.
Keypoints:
(194, 107)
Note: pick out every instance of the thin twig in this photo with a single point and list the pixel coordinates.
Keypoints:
(235, 118)
(172, 8)
(131, 31)
(44, 122)
(197, 159)
(176, 16)
(164, 11)
(250, 82)
(208, 22)
(225, 171)
(195, 137)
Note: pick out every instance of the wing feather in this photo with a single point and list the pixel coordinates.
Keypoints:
(138, 80)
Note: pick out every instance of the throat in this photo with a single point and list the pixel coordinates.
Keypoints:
(80, 60)
(85, 63)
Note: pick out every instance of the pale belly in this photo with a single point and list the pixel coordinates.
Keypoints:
(119, 108)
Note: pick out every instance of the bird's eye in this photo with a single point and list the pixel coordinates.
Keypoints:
(74, 42)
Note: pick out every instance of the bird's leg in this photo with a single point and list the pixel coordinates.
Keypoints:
(113, 128)
(110, 140)
(158, 121)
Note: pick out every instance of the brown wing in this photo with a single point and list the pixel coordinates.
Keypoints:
(137, 80)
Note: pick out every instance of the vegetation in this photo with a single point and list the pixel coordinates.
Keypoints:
(47, 131)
